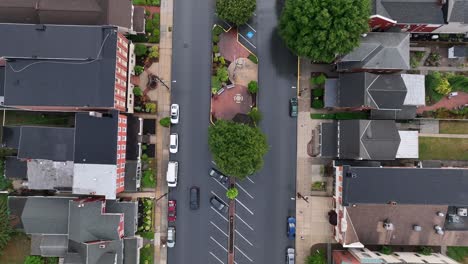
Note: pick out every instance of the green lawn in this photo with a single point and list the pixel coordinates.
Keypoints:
(13, 117)
(458, 253)
(453, 127)
(147, 254)
(431, 148)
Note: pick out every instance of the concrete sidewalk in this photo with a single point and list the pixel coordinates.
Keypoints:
(444, 135)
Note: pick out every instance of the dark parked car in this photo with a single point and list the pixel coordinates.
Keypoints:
(217, 175)
(293, 107)
(194, 198)
(218, 204)
(291, 227)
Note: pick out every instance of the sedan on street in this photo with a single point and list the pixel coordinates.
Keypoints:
(218, 204)
(291, 228)
(172, 211)
(293, 107)
(217, 175)
(174, 114)
(171, 237)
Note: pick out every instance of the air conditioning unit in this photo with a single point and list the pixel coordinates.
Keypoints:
(388, 225)
(102, 246)
(462, 211)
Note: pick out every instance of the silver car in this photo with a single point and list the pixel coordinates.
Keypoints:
(290, 256)
(171, 237)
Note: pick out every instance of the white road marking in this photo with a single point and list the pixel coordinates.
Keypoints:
(251, 27)
(227, 204)
(245, 207)
(247, 40)
(219, 244)
(244, 238)
(213, 162)
(244, 254)
(219, 183)
(219, 229)
(248, 178)
(219, 213)
(245, 223)
(242, 188)
(214, 256)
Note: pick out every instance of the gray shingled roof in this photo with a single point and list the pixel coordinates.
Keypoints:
(410, 11)
(131, 248)
(130, 211)
(45, 215)
(405, 186)
(378, 51)
(49, 245)
(55, 82)
(368, 139)
(458, 11)
(132, 175)
(328, 139)
(96, 138)
(15, 168)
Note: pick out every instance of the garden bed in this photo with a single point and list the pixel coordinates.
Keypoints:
(146, 216)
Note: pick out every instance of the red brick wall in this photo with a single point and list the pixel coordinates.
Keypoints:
(121, 71)
(121, 149)
(377, 23)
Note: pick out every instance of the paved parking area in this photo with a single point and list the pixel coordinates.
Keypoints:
(247, 34)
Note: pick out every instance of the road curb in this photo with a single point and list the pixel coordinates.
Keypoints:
(232, 212)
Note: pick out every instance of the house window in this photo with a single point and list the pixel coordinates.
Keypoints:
(118, 156)
(123, 156)
(118, 147)
(124, 147)
(116, 80)
(119, 138)
(121, 184)
(124, 138)
(125, 121)
(120, 130)
(120, 120)
(124, 129)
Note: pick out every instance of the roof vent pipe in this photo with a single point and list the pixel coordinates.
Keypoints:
(440, 214)
(417, 228)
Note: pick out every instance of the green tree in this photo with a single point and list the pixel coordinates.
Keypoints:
(140, 50)
(319, 80)
(34, 260)
(386, 250)
(235, 11)
(426, 251)
(252, 87)
(222, 74)
(153, 52)
(232, 193)
(165, 122)
(438, 83)
(317, 257)
(237, 149)
(255, 115)
(322, 29)
(5, 228)
(138, 69)
(137, 91)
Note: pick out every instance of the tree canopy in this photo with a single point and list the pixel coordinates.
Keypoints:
(317, 257)
(237, 149)
(322, 29)
(5, 228)
(235, 11)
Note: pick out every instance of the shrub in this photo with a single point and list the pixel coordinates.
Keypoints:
(318, 257)
(140, 50)
(217, 30)
(137, 91)
(222, 74)
(154, 52)
(215, 49)
(426, 251)
(232, 193)
(255, 115)
(150, 108)
(253, 58)
(139, 2)
(215, 59)
(215, 84)
(252, 87)
(154, 38)
(222, 60)
(436, 82)
(317, 104)
(458, 82)
(34, 260)
(386, 250)
(319, 80)
(138, 38)
(318, 92)
(215, 38)
(165, 122)
(138, 69)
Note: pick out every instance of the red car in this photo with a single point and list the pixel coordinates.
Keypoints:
(172, 212)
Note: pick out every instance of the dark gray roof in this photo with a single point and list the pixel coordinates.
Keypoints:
(407, 112)
(16, 168)
(457, 11)
(458, 51)
(132, 151)
(410, 11)
(132, 175)
(87, 223)
(49, 245)
(51, 143)
(368, 139)
(330, 97)
(132, 250)
(96, 138)
(2, 81)
(16, 207)
(328, 142)
(112, 253)
(69, 12)
(378, 51)
(139, 19)
(364, 185)
(46, 215)
(54, 81)
(11, 136)
(130, 211)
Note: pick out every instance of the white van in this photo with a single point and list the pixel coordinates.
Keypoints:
(171, 175)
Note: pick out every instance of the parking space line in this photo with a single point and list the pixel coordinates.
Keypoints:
(213, 193)
(251, 27)
(214, 256)
(219, 183)
(245, 207)
(248, 178)
(244, 238)
(242, 188)
(245, 223)
(219, 244)
(219, 213)
(247, 40)
(243, 254)
(219, 229)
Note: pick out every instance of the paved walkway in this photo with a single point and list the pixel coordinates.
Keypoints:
(162, 95)
(230, 48)
(444, 135)
(242, 71)
(460, 99)
(231, 102)
(136, 195)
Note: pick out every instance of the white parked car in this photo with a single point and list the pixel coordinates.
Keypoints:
(171, 236)
(290, 256)
(174, 114)
(174, 143)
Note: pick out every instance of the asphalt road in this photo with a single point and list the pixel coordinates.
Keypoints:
(261, 223)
